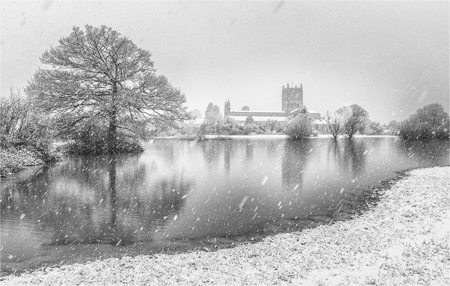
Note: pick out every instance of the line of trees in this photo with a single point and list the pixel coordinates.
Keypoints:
(347, 120)
(429, 122)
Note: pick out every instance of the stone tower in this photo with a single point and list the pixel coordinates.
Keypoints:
(292, 98)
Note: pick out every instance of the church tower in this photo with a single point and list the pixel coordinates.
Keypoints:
(291, 98)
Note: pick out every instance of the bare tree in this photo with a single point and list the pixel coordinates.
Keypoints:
(100, 78)
(337, 120)
(18, 120)
(357, 119)
(335, 123)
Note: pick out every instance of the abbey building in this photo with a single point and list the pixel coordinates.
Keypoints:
(291, 105)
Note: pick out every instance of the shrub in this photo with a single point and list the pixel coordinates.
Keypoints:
(23, 127)
(93, 141)
(299, 127)
(429, 122)
(21, 123)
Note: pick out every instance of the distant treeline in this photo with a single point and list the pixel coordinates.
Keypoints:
(23, 124)
(429, 122)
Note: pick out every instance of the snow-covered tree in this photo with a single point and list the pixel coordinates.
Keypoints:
(299, 127)
(336, 121)
(356, 121)
(100, 78)
(429, 122)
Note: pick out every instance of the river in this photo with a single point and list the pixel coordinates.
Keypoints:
(188, 190)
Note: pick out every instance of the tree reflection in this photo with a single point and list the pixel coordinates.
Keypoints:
(353, 157)
(115, 237)
(427, 153)
(230, 148)
(167, 149)
(23, 195)
(249, 148)
(169, 197)
(334, 151)
(272, 146)
(227, 156)
(211, 150)
(97, 200)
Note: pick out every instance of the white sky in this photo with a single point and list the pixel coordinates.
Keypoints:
(389, 57)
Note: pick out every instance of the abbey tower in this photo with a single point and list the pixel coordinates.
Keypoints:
(291, 98)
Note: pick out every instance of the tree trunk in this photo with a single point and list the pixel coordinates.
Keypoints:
(112, 133)
(112, 130)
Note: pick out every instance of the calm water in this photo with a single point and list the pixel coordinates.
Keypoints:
(187, 189)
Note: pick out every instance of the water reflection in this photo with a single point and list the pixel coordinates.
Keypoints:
(90, 200)
(425, 152)
(211, 151)
(354, 156)
(296, 154)
(249, 147)
(185, 189)
(227, 156)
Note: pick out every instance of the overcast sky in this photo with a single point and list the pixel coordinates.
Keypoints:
(389, 57)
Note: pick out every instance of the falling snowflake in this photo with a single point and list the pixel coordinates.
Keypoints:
(244, 199)
(264, 180)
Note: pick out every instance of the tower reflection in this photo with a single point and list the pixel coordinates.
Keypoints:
(295, 158)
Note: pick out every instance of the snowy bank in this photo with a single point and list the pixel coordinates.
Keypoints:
(14, 160)
(405, 239)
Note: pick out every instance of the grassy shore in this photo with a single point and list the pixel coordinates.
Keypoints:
(404, 240)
